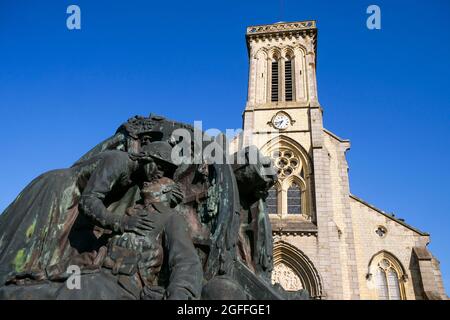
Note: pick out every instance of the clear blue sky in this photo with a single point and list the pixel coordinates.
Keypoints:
(62, 91)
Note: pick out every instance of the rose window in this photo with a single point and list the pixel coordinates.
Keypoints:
(285, 162)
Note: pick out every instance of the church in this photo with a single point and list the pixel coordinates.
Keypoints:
(326, 239)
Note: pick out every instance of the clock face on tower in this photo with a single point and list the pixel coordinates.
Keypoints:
(281, 121)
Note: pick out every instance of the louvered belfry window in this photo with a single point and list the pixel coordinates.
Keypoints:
(288, 80)
(274, 81)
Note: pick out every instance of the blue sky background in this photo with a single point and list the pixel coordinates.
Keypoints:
(62, 91)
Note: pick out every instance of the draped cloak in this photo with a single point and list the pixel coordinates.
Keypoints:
(43, 227)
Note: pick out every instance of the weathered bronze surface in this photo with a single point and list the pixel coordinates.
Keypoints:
(139, 226)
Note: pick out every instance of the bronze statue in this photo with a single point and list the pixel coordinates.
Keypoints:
(141, 226)
(42, 228)
(169, 241)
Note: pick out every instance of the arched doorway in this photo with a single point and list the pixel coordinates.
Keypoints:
(293, 270)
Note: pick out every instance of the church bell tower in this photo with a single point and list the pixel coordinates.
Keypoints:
(308, 206)
(282, 112)
(282, 72)
(326, 240)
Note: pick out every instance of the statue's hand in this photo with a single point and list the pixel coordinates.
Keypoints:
(138, 223)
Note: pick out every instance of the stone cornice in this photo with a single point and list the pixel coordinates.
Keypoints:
(293, 227)
(281, 27)
(282, 30)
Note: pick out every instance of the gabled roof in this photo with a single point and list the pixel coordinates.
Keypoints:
(389, 216)
(335, 136)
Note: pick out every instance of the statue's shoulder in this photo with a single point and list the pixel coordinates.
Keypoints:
(113, 156)
(115, 153)
(106, 158)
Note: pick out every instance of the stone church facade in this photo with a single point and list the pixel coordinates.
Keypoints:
(326, 240)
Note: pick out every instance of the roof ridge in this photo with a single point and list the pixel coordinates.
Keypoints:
(390, 216)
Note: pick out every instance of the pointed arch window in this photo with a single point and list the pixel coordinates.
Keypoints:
(388, 277)
(294, 199)
(393, 285)
(382, 285)
(293, 184)
(272, 200)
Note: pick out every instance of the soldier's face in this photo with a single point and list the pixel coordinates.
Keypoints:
(145, 140)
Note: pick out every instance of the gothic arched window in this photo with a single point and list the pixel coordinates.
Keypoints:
(294, 199)
(272, 201)
(293, 182)
(382, 286)
(288, 79)
(388, 277)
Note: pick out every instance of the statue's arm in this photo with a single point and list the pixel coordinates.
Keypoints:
(109, 171)
(186, 273)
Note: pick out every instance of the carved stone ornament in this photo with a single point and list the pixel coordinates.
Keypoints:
(286, 277)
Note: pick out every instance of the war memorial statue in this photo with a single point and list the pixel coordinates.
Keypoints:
(139, 225)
